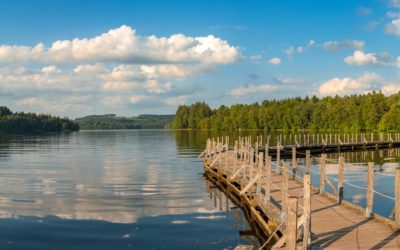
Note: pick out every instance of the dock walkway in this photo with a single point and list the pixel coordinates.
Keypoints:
(286, 211)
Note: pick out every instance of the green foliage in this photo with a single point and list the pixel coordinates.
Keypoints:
(349, 113)
(33, 123)
(111, 121)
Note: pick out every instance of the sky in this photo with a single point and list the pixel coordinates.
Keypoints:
(76, 58)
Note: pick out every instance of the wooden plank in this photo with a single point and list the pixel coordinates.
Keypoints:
(268, 179)
(294, 162)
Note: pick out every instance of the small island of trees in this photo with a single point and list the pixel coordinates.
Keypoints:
(21, 123)
(372, 111)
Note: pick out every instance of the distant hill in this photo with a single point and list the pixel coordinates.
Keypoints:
(111, 121)
(23, 123)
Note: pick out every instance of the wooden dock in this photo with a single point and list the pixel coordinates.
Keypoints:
(286, 211)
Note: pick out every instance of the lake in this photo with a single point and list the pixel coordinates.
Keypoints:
(132, 189)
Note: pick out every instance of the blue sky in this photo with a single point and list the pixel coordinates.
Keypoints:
(76, 58)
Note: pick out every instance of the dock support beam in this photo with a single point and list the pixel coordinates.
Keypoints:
(294, 162)
(340, 180)
(322, 174)
(397, 196)
(370, 190)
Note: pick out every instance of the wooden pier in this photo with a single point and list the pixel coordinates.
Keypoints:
(286, 211)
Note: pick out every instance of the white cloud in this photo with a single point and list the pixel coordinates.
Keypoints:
(252, 89)
(392, 14)
(255, 58)
(395, 3)
(393, 27)
(275, 61)
(363, 84)
(336, 46)
(289, 80)
(390, 89)
(135, 99)
(177, 100)
(299, 49)
(50, 69)
(359, 58)
(123, 45)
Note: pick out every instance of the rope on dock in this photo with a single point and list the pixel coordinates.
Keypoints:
(276, 230)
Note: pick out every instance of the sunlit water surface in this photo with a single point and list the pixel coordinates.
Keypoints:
(137, 189)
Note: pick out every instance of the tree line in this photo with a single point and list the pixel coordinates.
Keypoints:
(111, 121)
(33, 123)
(372, 111)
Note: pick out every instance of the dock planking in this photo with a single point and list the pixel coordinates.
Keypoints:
(285, 211)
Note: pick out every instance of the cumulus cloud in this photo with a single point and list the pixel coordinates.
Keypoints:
(117, 68)
(392, 14)
(255, 58)
(393, 27)
(360, 58)
(363, 84)
(124, 45)
(252, 89)
(275, 61)
(299, 49)
(390, 89)
(337, 46)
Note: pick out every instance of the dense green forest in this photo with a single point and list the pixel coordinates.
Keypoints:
(33, 123)
(112, 121)
(371, 111)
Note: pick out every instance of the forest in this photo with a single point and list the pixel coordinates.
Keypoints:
(111, 121)
(372, 111)
(33, 123)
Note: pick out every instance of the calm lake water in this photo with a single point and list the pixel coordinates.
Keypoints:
(136, 189)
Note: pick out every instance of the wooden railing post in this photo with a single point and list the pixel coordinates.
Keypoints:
(340, 180)
(294, 161)
(397, 196)
(307, 211)
(259, 173)
(322, 174)
(285, 189)
(268, 178)
(278, 158)
(291, 225)
(307, 161)
(370, 190)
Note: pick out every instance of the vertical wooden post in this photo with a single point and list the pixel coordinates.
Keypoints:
(251, 169)
(259, 173)
(278, 158)
(370, 190)
(268, 178)
(285, 188)
(322, 174)
(294, 161)
(307, 211)
(340, 180)
(397, 196)
(266, 150)
(307, 161)
(291, 224)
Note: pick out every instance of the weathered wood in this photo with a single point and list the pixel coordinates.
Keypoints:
(285, 188)
(397, 196)
(322, 174)
(307, 211)
(370, 190)
(340, 180)
(294, 162)
(259, 173)
(278, 158)
(291, 225)
(307, 161)
(268, 179)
